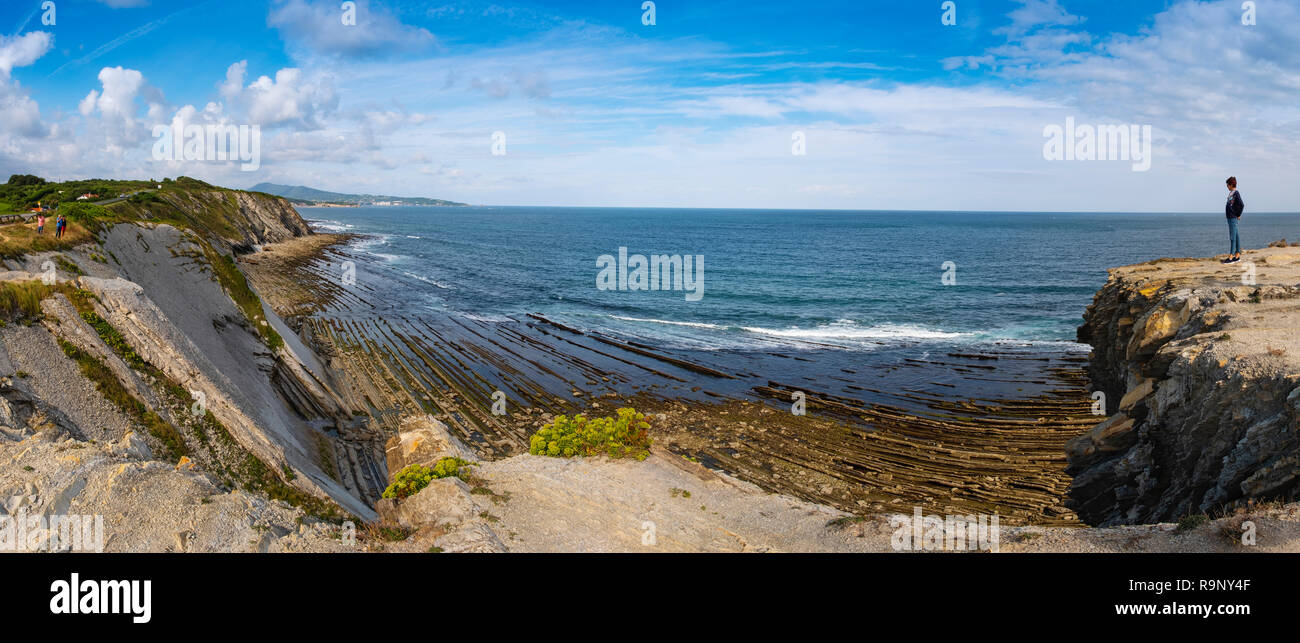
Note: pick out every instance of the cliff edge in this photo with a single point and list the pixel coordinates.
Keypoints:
(1199, 363)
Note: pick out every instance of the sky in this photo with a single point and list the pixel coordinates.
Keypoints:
(865, 104)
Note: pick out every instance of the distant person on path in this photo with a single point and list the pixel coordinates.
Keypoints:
(40, 224)
(1233, 210)
(59, 225)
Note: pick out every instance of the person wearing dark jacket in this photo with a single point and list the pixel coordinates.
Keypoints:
(1233, 209)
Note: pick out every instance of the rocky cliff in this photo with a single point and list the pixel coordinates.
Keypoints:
(145, 349)
(1199, 363)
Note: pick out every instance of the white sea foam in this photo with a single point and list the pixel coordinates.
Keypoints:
(671, 323)
(848, 330)
(427, 280)
(329, 225)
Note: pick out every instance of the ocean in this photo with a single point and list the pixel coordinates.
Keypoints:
(779, 280)
(913, 342)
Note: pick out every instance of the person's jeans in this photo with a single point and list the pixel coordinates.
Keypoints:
(1234, 239)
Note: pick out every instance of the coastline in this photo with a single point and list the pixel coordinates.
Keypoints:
(329, 385)
(862, 461)
(870, 452)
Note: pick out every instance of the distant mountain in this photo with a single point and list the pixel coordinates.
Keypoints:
(310, 196)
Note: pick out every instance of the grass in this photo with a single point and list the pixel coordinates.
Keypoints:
(112, 389)
(251, 471)
(256, 476)
(232, 280)
(18, 239)
(843, 521)
(66, 265)
(1192, 521)
(115, 340)
(20, 301)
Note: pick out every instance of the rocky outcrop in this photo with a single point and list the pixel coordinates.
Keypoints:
(423, 440)
(143, 504)
(1200, 366)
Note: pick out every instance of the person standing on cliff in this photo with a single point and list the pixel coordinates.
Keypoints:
(1234, 208)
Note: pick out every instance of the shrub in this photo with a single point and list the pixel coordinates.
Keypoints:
(82, 212)
(626, 434)
(1192, 521)
(411, 479)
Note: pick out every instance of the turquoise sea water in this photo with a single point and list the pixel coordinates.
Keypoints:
(788, 279)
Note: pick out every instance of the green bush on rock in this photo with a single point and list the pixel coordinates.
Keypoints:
(626, 434)
(411, 479)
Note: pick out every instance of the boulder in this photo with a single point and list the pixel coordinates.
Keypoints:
(422, 440)
(444, 502)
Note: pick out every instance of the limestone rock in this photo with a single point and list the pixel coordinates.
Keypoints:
(444, 502)
(422, 440)
(1202, 388)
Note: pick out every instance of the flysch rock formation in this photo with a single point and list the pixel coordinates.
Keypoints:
(1199, 374)
(1199, 362)
(155, 285)
(543, 504)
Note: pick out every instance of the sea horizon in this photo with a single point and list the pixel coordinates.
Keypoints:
(807, 290)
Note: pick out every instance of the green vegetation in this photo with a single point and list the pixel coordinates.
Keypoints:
(675, 492)
(87, 214)
(845, 521)
(626, 434)
(115, 340)
(18, 239)
(20, 301)
(411, 479)
(23, 191)
(112, 389)
(236, 285)
(1192, 521)
(67, 266)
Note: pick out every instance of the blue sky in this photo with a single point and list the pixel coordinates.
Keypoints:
(895, 109)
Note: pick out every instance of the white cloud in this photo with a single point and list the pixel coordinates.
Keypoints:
(319, 26)
(290, 99)
(19, 114)
(20, 51)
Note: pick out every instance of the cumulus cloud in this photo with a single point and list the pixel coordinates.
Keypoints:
(19, 114)
(291, 98)
(20, 51)
(321, 28)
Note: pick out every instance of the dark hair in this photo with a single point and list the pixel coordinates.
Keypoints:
(1232, 181)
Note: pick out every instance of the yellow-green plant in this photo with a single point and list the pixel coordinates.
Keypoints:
(414, 477)
(627, 434)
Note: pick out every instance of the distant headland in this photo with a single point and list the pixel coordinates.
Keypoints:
(302, 195)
